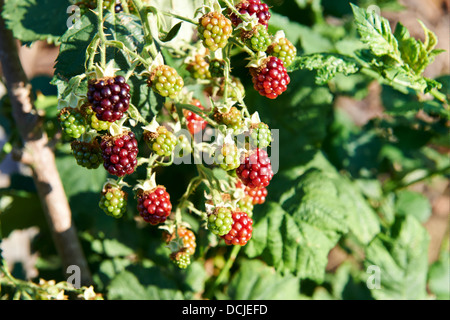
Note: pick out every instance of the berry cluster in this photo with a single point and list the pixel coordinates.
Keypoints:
(260, 135)
(110, 97)
(220, 221)
(119, 153)
(199, 68)
(166, 81)
(241, 230)
(195, 122)
(154, 205)
(72, 122)
(270, 79)
(232, 118)
(284, 50)
(113, 201)
(162, 142)
(252, 7)
(258, 39)
(87, 154)
(214, 29)
(255, 169)
(228, 157)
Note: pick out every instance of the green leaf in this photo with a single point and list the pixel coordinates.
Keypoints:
(402, 260)
(375, 32)
(414, 204)
(439, 275)
(33, 20)
(326, 65)
(291, 246)
(172, 33)
(125, 286)
(256, 281)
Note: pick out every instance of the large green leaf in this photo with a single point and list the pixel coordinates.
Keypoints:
(256, 281)
(126, 286)
(402, 260)
(32, 20)
(327, 66)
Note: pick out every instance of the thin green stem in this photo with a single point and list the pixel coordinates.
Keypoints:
(149, 46)
(173, 15)
(241, 45)
(101, 33)
(226, 268)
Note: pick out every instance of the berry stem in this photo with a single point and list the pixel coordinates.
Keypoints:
(143, 16)
(243, 46)
(101, 33)
(134, 55)
(226, 268)
(170, 14)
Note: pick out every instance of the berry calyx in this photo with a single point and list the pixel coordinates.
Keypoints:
(113, 201)
(252, 7)
(220, 221)
(162, 142)
(87, 154)
(119, 153)
(241, 230)
(154, 205)
(260, 135)
(166, 81)
(72, 122)
(270, 79)
(284, 50)
(110, 97)
(195, 122)
(214, 30)
(199, 68)
(255, 169)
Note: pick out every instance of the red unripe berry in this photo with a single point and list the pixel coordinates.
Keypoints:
(271, 78)
(154, 205)
(255, 170)
(241, 231)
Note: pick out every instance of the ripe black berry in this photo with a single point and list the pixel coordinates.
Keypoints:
(119, 153)
(110, 97)
(252, 7)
